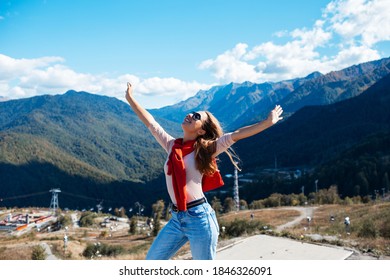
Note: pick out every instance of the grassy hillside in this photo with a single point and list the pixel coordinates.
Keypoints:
(87, 145)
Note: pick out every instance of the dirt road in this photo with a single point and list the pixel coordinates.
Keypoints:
(49, 254)
(305, 212)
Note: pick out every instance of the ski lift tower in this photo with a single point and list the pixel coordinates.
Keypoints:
(54, 200)
(235, 189)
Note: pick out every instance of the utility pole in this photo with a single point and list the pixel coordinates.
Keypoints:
(235, 189)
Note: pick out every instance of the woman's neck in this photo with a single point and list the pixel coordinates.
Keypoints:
(189, 137)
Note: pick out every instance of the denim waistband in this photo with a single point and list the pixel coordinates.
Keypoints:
(190, 204)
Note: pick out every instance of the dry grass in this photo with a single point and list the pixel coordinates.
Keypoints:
(270, 216)
(358, 214)
(13, 248)
(16, 252)
(135, 247)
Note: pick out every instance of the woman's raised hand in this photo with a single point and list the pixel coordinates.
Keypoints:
(144, 115)
(275, 115)
(129, 92)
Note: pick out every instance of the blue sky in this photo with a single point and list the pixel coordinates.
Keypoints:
(171, 49)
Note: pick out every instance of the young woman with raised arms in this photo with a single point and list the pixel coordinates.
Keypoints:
(191, 170)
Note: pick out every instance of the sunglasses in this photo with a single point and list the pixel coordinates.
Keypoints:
(196, 116)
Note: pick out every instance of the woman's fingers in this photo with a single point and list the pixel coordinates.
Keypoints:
(129, 88)
(278, 109)
(277, 112)
(129, 91)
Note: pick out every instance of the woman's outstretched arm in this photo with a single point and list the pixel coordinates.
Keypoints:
(162, 137)
(142, 114)
(247, 131)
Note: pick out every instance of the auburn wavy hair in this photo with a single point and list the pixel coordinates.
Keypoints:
(206, 145)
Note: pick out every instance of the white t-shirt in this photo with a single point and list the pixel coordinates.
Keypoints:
(193, 176)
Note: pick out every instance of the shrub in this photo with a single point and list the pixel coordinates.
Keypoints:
(133, 225)
(90, 251)
(38, 253)
(348, 201)
(158, 209)
(357, 199)
(216, 205)
(327, 196)
(257, 204)
(368, 229)
(87, 219)
(121, 212)
(93, 250)
(274, 200)
(229, 205)
(103, 234)
(384, 229)
(65, 220)
(239, 227)
(243, 204)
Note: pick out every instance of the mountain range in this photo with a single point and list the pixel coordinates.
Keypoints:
(232, 103)
(236, 105)
(82, 143)
(316, 134)
(94, 147)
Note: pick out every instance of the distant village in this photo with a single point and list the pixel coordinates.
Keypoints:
(22, 222)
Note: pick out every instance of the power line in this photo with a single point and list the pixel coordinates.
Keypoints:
(86, 197)
(62, 192)
(23, 196)
(46, 192)
(80, 196)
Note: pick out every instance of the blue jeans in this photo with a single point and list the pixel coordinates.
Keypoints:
(198, 225)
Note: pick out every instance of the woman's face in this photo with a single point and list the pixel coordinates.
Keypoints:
(193, 122)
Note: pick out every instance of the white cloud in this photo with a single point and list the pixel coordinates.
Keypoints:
(11, 68)
(169, 86)
(230, 66)
(362, 21)
(345, 34)
(350, 56)
(280, 34)
(20, 78)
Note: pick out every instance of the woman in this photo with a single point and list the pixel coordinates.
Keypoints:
(191, 170)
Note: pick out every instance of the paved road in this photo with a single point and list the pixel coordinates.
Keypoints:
(276, 248)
